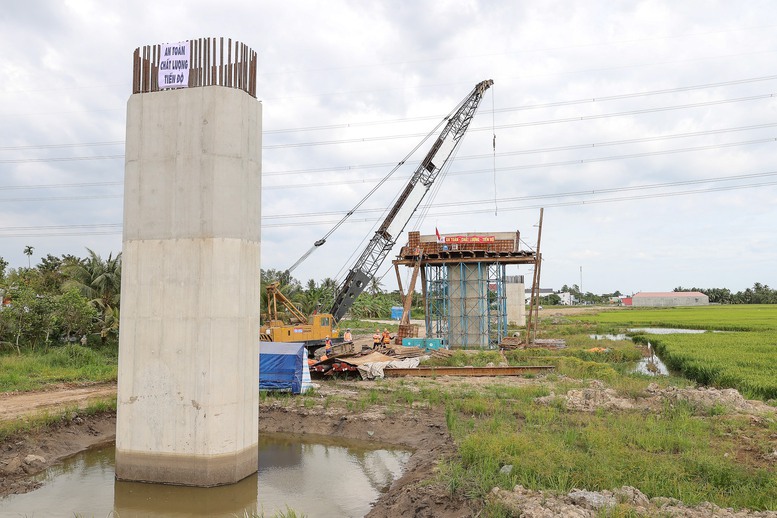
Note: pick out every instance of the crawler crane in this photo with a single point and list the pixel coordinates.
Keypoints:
(376, 251)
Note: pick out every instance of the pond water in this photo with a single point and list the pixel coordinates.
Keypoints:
(666, 331)
(651, 365)
(616, 338)
(323, 478)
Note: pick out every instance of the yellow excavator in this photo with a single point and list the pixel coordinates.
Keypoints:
(310, 331)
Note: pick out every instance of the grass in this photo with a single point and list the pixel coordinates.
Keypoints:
(677, 453)
(746, 361)
(690, 453)
(733, 317)
(680, 451)
(744, 358)
(69, 363)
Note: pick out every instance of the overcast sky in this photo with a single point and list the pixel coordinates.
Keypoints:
(647, 130)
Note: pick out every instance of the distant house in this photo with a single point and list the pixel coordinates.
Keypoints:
(669, 299)
(543, 292)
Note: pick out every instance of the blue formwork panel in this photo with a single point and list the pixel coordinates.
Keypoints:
(433, 343)
(424, 343)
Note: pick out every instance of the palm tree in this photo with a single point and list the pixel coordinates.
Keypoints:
(375, 286)
(28, 252)
(100, 281)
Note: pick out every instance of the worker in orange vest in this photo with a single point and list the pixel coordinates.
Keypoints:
(386, 337)
(376, 339)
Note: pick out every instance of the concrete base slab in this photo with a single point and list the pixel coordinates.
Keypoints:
(186, 470)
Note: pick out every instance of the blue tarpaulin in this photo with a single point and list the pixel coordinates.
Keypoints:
(282, 366)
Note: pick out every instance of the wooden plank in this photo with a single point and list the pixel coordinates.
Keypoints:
(468, 371)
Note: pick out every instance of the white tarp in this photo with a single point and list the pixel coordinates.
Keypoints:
(307, 382)
(174, 59)
(371, 371)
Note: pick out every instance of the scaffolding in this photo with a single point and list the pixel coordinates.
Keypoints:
(463, 281)
(466, 304)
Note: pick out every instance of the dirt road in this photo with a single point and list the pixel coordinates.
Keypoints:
(15, 405)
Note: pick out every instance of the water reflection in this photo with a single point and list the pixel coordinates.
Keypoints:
(316, 477)
(617, 337)
(665, 331)
(138, 499)
(651, 364)
(329, 480)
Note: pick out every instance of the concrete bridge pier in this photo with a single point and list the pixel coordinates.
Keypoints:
(188, 356)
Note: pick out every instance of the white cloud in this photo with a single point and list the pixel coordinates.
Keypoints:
(329, 68)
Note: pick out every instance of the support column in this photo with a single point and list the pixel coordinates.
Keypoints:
(188, 355)
(516, 300)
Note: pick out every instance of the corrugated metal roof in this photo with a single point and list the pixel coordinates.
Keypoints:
(669, 294)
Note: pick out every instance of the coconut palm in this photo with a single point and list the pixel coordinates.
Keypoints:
(28, 252)
(99, 281)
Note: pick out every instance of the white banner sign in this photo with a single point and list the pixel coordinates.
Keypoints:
(174, 65)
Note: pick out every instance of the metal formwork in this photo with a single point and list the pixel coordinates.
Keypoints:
(466, 303)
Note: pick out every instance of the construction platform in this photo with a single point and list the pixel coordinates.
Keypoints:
(463, 281)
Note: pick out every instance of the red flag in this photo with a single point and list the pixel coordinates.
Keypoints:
(439, 237)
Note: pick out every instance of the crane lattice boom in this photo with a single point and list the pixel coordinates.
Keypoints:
(366, 266)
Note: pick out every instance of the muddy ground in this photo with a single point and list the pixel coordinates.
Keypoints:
(424, 432)
(417, 492)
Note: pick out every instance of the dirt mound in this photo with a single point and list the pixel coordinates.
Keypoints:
(580, 503)
(597, 395)
(708, 397)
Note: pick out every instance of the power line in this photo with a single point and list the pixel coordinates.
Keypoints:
(550, 205)
(387, 164)
(554, 104)
(405, 177)
(435, 117)
(536, 165)
(530, 123)
(536, 150)
(58, 185)
(555, 195)
(587, 192)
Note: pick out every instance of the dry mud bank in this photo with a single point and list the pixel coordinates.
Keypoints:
(345, 410)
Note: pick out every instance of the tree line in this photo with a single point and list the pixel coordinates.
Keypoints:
(59, 300)
(63, 299)
(758, 294)
(318, 297)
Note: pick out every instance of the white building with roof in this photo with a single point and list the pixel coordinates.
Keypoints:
(669, 299)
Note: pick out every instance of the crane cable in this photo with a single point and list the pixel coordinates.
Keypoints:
(493, 129)
(372, 191)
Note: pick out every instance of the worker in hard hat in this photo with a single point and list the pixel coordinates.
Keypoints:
(376, 339)
(386, 337)
(348, 337)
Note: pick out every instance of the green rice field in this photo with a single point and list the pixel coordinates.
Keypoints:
(742, 355)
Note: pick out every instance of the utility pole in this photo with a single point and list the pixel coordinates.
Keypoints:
(531, 323)
(581, 284)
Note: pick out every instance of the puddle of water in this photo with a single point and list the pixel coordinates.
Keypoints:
(651, 365)
(616, 338)
(665, 331)
(330, 479)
